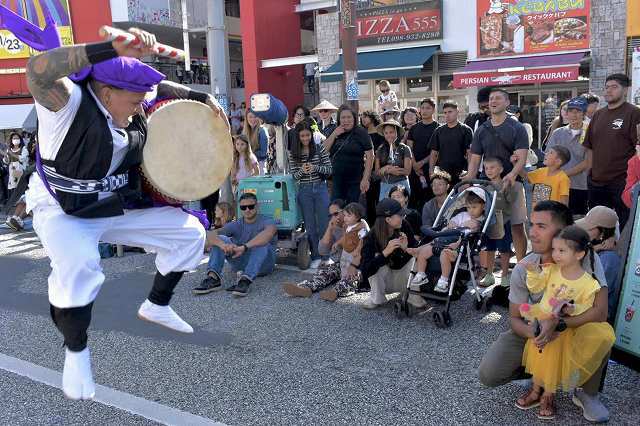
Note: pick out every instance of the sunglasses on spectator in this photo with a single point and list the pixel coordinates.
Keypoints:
(335, 213)
(248, 206)
(324, 110)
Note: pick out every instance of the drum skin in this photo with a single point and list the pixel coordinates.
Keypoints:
(188, 152)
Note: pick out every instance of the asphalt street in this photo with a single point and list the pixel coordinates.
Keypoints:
(266, 359)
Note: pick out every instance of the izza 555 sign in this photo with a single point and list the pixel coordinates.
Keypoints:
(398, 23)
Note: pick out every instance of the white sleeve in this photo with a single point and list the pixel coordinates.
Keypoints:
(53, 126)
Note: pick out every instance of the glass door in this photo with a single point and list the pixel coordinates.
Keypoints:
(529, 104)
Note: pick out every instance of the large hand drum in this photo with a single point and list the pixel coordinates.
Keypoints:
(188, 153)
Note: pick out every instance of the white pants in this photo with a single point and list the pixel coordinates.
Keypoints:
(72, 245)
(388, 281)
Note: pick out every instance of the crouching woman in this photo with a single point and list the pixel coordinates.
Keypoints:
(385, 260)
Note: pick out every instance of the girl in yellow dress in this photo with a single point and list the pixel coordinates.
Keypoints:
(575, 355)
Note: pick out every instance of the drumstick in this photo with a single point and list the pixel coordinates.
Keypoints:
(110, 33)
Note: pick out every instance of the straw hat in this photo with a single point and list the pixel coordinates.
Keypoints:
(392, 122)
(326, 105)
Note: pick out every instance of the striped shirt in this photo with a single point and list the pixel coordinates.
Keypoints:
(321, 166)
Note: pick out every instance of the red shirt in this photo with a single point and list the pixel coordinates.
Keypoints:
(633, 177)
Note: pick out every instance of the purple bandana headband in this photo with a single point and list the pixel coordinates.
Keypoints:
(124, 73)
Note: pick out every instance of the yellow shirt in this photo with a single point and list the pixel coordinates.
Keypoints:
(547, 187)
(557, 288)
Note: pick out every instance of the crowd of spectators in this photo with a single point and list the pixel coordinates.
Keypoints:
(371, 184)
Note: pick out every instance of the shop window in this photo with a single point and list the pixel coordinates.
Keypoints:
(446, 82)
(420, 85)
(364, 88)
(365, 105)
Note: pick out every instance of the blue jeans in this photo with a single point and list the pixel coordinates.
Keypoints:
(313, 198)
(386, 187)
(257, 261)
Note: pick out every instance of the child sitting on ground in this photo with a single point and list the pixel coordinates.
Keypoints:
(551, 183)
(356, 228)
(224, 215)
(472, 218)
(493, 169)
(569, 360)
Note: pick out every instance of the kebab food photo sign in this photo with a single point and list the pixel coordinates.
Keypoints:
(527, 27)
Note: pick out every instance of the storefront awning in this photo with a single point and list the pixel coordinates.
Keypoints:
(17, 116)
(385, 64)
(526, 70)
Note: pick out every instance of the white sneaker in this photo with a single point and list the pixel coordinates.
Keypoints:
(315, 264)
(77, 379)
(442, 286)
(418, 280)
(164, 316)
(370, 304)
(15, 223)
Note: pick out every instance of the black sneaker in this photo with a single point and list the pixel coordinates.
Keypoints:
(242, 288)
(208, 285)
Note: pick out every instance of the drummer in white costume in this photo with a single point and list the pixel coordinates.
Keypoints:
(88, 131)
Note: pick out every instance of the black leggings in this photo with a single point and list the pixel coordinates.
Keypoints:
(74, 322)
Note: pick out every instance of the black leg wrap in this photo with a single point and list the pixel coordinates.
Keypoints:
(163, 286)
(73, 324)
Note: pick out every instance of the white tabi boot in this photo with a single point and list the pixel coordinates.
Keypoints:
(164, 316)
(77, 379)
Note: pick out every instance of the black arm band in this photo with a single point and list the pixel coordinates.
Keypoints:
(100, 52)
(194, 95)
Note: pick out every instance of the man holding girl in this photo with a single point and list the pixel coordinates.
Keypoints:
(503, 361)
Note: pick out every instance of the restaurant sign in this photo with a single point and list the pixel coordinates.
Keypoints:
(530, 76)
(527, 27)
(381, 22)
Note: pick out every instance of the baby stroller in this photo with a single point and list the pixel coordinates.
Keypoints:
(467, 264)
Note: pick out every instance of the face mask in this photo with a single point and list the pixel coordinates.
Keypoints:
(15, 142)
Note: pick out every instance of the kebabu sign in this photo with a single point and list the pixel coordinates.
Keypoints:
(391, 22)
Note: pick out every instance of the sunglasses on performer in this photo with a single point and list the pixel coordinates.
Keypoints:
(248, 206)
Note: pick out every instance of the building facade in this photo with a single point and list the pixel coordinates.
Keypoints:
(541, 52)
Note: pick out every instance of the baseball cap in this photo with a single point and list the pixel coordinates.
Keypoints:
(477, 191)
(599, 216)
(388, 207)
(579, 103)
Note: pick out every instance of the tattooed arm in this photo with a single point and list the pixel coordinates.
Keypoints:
(47, 75)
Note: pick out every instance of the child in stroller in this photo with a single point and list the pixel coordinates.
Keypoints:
(471, 219)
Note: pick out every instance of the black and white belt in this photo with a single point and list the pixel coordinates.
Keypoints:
(84, 186)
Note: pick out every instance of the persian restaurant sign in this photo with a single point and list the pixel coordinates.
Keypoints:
(537, 75)
(526, 27)
(388, 22)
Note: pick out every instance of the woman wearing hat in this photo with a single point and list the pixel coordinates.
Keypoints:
(351, 157)
(393, 158)
(601, 223)
(384, 259)
(326, 124)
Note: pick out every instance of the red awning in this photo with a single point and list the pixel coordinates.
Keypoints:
(526, 70)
